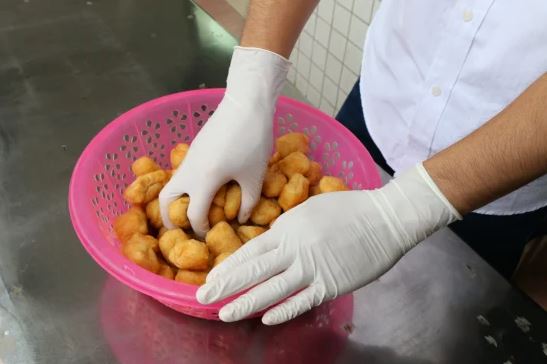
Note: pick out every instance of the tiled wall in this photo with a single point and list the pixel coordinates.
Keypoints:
(327, 56)
(240, 6)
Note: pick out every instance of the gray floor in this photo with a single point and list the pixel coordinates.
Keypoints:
(68, 67)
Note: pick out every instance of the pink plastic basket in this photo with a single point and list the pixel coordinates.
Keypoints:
(153, 128)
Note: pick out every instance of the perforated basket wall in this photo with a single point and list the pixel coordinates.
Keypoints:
(103, 172)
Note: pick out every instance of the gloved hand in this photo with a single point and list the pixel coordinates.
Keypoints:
(329, 245)
(235, 143)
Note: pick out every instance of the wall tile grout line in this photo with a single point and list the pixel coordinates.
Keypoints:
(328, 55)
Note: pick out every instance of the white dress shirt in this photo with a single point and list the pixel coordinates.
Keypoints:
(435, 70)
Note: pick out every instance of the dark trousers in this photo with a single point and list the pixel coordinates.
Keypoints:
(499, 240)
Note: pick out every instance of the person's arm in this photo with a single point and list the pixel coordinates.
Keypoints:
(505, 153)
(276, 24)
(337, 242)
(236, 142)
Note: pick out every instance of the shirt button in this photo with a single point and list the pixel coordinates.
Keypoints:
(467, 15)
(436, 91)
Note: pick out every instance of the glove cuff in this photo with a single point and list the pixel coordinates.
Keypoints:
(256, 75)
(416, 206)
(455, 215)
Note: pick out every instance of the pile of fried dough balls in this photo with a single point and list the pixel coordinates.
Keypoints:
(177, 254)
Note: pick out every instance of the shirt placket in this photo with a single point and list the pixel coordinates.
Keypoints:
(463, 24)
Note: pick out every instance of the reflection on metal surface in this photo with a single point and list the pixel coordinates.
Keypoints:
(210, 33)
(66, 69)
(13, 346)
(140, 330)
(225, 14)
(442, 304)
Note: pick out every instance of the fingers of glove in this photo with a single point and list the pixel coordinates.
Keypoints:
(264, 295)
(250, 194)
(198, 209)
(302, 302)
(167, 195)
(241, 278)
(252, 249)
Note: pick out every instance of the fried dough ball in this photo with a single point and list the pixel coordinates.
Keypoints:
(222, 239)
(220, 258)
(275, 168)
(178, 153)
(166, 271)
(169, 239)
(131, 222)
(290, 179)
(294, 192)
(144, 165)
(220, 197)
(315, 190)
(153, 213)
(162, 231)
(265, 211)
(216, 215)
(234, 224)
(296, 162)
(332, 184)
(247, 232)
(189, 254)
(178, 212)
(273, 183)
(233, 201)
(314, 173)
(197, 278)
(148, 239)
(292, 142)
(146, 187)
(276, 157)
(140, 250)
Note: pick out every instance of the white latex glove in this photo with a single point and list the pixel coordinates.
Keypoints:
(329, 245)
(235, 143)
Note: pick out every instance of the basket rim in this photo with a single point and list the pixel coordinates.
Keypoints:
(172, 292)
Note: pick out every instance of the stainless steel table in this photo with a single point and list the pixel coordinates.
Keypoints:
(67, 67)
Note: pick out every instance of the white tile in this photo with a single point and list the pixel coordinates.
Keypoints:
(348, 4)
(294, 56)
(313, 96)
(341, 99)
(310, 24)
(326, 107)
(303, 65)
(347, 80)
(319, 55)
(353, 58)
(322, 32)
(357, 31)
(337, 45)
(330, 90)
(376, 7)
(301, 83)
(341, 19)
(241, 6)
(333, 68)
(291, 76)
(363, 9)
(326, 9)
(316, 77)
(306, 44)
